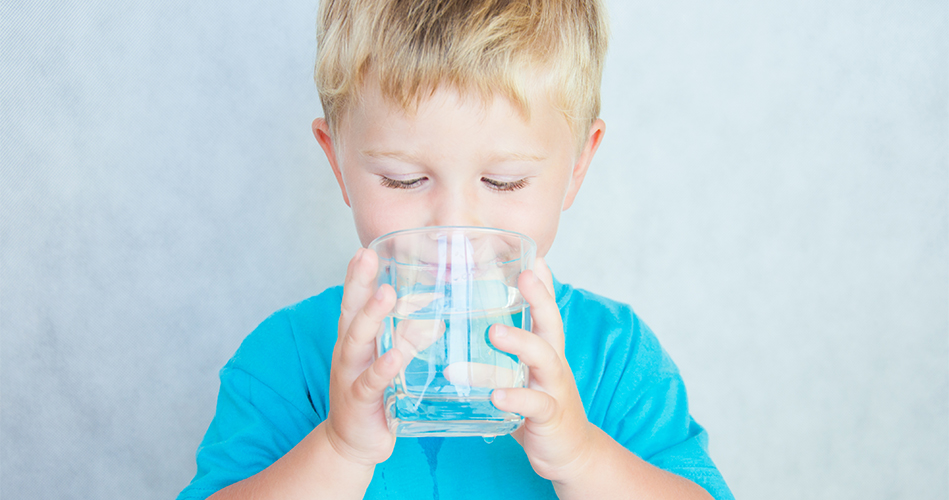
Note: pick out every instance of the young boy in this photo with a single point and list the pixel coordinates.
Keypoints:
(476, 113)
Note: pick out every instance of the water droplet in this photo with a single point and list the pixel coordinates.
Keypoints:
(489, 439)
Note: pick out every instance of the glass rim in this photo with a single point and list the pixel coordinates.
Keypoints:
(426, 229)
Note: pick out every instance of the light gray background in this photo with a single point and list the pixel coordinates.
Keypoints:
(771, 197)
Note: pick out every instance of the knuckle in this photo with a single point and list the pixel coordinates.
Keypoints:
(371, 312)
(349, 343)
(346, 316)
(371, 382)
(350, 350)
(558, 367)
(548, 406)
(344, 321)
(363, 326)
(362, 389)
(553, 361)
(376, 307)
(367, 326)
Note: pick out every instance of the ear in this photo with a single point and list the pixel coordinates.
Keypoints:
(583, 162)
(321, 130)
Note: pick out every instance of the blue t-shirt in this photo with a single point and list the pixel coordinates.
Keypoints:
(274, 391)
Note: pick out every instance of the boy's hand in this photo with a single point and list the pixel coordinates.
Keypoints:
(356, 424)
(556, 434)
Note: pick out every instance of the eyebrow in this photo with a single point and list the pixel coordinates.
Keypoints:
(503, 156)
(394, 155)
(496, 157)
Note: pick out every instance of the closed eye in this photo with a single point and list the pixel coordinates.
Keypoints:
(505, 186)
(397, 184)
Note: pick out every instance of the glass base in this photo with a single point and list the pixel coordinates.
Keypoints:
(447, 417)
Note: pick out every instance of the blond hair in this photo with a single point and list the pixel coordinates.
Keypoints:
(488, 47)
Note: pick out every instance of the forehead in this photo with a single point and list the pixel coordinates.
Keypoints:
(454, 121)
(373, 96)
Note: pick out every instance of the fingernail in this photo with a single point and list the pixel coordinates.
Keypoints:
(379, 294)
(499, 394)
(500, 331)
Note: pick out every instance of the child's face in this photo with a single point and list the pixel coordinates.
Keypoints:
(457, 162)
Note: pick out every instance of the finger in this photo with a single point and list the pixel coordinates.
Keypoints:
(537, 406)
(545, 314)
(547, 367)
(370, 385)
(413, 302)
(358, 287)
(413, 336)
(481, 375)
(543, 272)
(357, 346)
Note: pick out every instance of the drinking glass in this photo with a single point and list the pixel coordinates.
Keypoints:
(452, 283)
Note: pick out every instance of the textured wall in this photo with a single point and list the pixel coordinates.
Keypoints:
(771, 197)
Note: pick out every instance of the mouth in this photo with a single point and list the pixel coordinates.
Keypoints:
(457, 272)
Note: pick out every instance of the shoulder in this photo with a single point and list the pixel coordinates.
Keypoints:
(616, 359)
(611, 328)
(588, 305)
(281, 331)
(581, 306)
(291, 351)
(631, 388)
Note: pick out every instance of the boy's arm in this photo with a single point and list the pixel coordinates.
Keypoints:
(312, 469)
(337, 458)
(580, 459)
(612, 471)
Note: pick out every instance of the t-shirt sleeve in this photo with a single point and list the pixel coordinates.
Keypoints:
(256, 420)
(659, 428)
(636, 395)
(657, 423)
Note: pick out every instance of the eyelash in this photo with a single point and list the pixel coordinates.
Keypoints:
(505, 186)
(492, 184)
(394, 184)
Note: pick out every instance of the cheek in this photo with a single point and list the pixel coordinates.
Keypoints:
(370, 223)
(546, 216)
(366, 217)
(379, 214)
(544, 234)
(537, 218)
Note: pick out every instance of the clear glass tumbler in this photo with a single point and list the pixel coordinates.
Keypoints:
(452, 283)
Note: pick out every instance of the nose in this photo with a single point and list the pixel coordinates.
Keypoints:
(456, 207)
